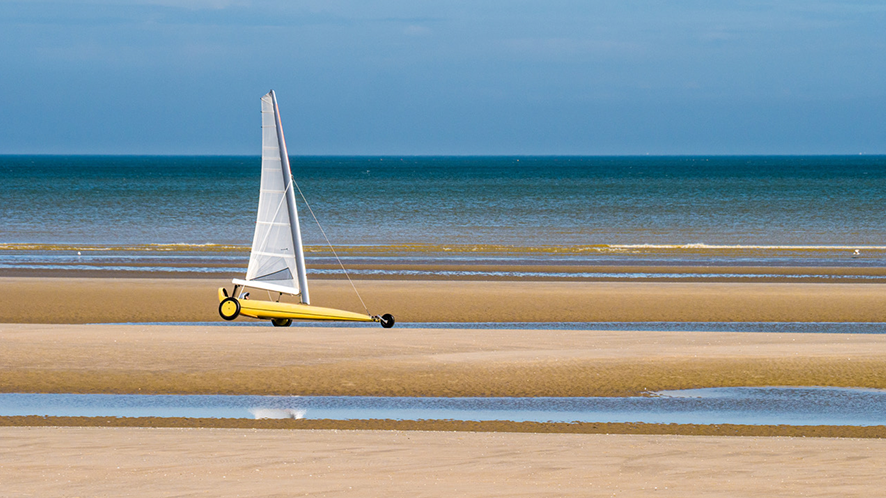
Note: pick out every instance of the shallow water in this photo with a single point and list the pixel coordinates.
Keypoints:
(526, 201)
(484, 262)
(780, 327)
(742, 405)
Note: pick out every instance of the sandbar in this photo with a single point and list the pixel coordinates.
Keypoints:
(138, 300)
(261, 359)
(64, 461)
(69, 339)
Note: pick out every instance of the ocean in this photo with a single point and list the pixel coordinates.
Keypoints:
(177, 213)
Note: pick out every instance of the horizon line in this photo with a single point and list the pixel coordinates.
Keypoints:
(448, 155)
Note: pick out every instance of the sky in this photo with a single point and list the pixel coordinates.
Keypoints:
(415, 77)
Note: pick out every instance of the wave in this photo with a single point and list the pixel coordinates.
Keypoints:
(696, 247)
(598, 248)
(751, 247)
(173, 247)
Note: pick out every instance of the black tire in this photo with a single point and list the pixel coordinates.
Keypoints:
(281, 322)
(386, 320)
(225, 305)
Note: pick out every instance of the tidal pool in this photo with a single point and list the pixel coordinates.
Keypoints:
(782, 327)
(733, 405)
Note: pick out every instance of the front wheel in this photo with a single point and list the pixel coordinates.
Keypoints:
(229, 308)
(281, 322)
(386, 320)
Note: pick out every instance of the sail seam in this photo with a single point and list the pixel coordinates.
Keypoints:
(281, 254)
(265, 239)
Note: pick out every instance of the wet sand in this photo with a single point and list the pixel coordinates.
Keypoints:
(53, 461)
(48, 352)
(119, 300)
(473, 271)
(634, 428)
(181, 359)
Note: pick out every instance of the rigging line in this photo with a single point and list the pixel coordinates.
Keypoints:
(292, 180)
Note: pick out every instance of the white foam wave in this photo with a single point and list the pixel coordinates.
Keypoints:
(701, 245)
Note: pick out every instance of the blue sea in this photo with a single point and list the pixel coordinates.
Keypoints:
(172, 213)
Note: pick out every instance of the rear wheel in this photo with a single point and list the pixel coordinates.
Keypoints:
(229, 308)
(281, 322)
(386, 320)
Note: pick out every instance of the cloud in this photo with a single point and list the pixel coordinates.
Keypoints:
(235, 13)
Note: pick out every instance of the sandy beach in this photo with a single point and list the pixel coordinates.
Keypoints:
(370, 360)
(51, 461)
(74, 342)
(122, 300)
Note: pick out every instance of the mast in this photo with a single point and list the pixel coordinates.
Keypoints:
(290, 203)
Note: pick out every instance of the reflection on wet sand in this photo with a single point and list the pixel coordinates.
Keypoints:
(741, 405)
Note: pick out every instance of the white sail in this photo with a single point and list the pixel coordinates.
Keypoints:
(276, 262)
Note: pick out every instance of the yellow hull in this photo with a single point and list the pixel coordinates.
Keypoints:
(269, 310)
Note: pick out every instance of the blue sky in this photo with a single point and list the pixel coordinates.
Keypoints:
(454, 77)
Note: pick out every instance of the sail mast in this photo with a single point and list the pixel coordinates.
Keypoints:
(290, 203)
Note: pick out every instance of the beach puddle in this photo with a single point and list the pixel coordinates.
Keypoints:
(778, 327)
(735, 405)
